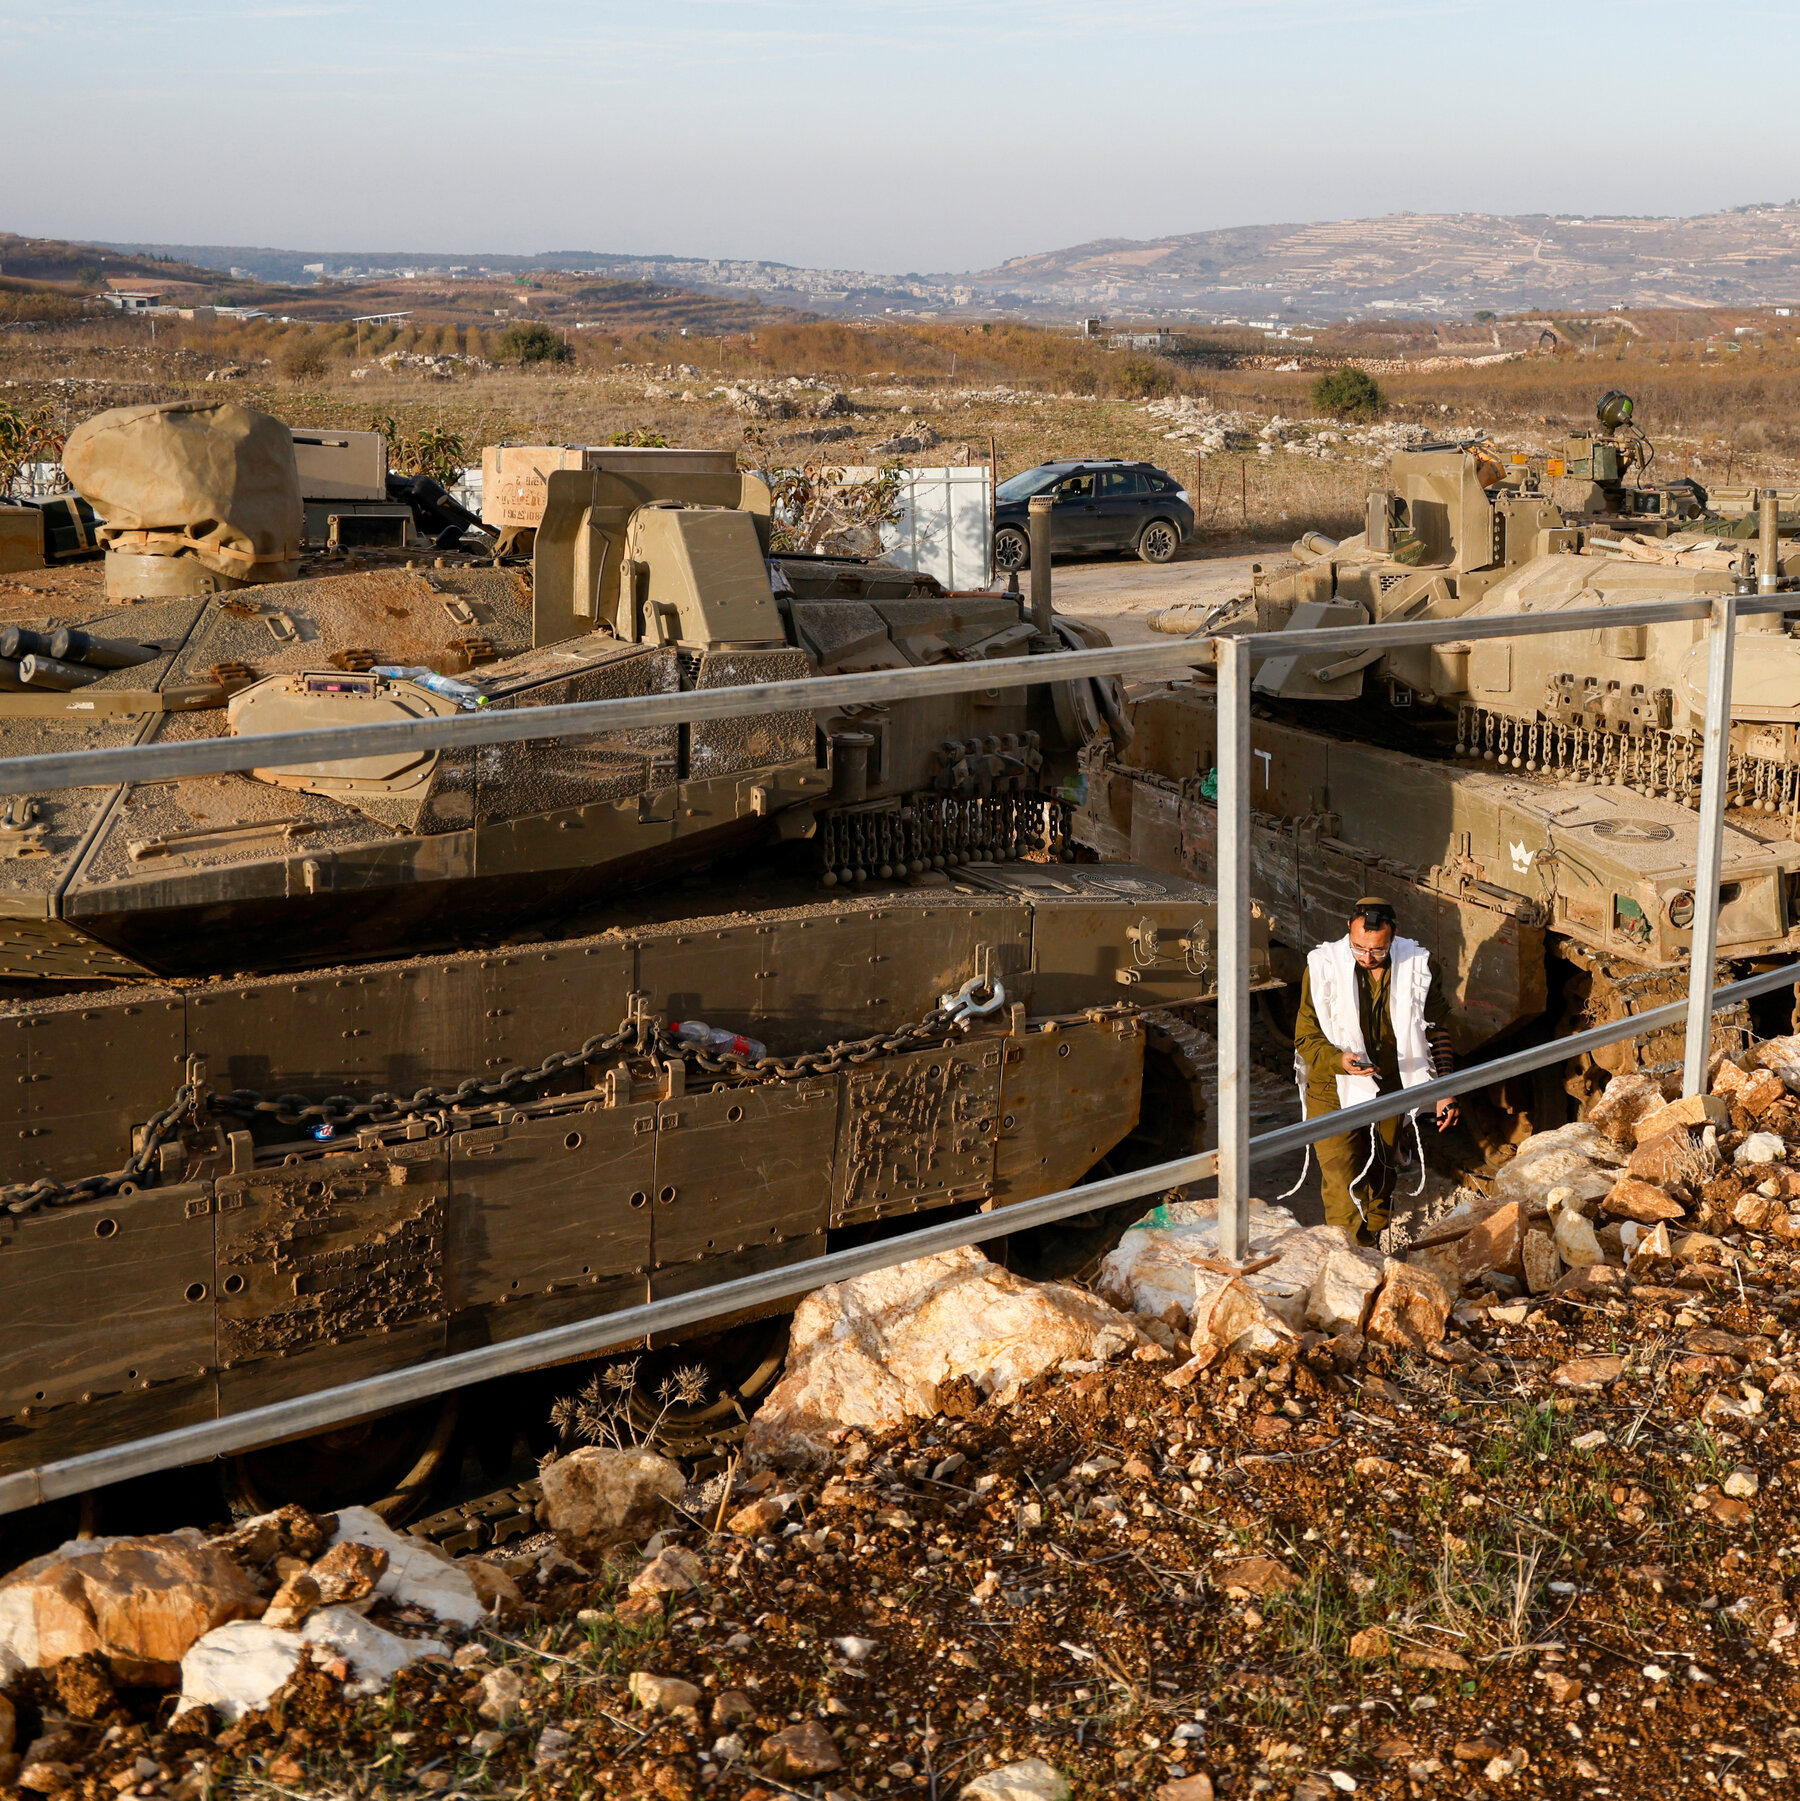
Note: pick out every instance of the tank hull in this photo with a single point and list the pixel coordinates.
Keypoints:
(261, 1262)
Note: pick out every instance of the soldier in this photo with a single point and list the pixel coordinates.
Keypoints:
(1371, 1022)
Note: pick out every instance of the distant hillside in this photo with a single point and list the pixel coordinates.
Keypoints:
(1429, 265)
(1452, 263)
(88, 265)
(569, 288)
(772, 284)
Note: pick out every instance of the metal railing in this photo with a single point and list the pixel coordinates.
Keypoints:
(578, 719)
(328, 1407)
(1231, 1162)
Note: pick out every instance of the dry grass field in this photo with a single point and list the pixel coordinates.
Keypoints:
(1720, 394)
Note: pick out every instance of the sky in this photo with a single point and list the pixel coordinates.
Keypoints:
(887, 135)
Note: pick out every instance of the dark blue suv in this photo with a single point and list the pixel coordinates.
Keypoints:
(1101, 504)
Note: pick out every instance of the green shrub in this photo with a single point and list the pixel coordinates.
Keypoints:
(531, 341)
(1348, 394)
(1142, 379)
(302, 357)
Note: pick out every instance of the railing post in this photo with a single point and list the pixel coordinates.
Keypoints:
(1233, 656)
(1715, 743)
(1039, 511)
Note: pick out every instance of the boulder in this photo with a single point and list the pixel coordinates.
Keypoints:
(756, 1518)
(1633, 1198)
(349, 1571)
(289, 1531)
(1691, 1110)
(1255, 1577)
(1412, 1310)
(1343, 1290)
(1781, 1057)
(1231, 1315)
(674, 1570)
(494, 1588)
(1761, 1090)
(1760, 1147)
(1161, 1270)
(1755, 1212)
(639, 1611)
(1492, 1244)
(238, 1666)
(9, 1727)
(1575, 1240)
(47, 1776)
(1541, 1261)
(663, 1694)
(1592, 1281)
(1031, 1780)
(1627, 1098)
(876, 1351)
(1728, 1079)
(1579, 1157)
(501, 1693)
(1588, 1374)
(373, 1654)
(417, 1573)
(138, 1603)
(598, 1499)
(296, 1599)
(1668, 1160)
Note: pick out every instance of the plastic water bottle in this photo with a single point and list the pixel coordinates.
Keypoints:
(715, 1039)
(465, 697)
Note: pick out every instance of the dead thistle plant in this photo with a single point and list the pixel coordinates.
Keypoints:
(609, 1407)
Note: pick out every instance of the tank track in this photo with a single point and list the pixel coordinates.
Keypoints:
(487, 1523)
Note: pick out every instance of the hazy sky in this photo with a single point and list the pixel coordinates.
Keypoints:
(880, 134)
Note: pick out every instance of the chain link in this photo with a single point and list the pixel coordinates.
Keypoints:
(937, 1025)
(337, 1112)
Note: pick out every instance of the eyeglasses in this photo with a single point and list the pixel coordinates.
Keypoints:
(1375, 954)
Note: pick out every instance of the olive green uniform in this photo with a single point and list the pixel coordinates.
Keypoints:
(1342, 1157)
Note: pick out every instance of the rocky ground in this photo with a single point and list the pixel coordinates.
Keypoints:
(1519, 1515)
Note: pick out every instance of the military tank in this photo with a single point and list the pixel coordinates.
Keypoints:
(1528, 802)
(726, 994)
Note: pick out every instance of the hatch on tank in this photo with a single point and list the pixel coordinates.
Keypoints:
(324, 699)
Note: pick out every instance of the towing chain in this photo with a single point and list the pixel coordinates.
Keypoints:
(325, 1119)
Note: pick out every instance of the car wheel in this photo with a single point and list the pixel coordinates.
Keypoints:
(1012, 549)
(1158, 541)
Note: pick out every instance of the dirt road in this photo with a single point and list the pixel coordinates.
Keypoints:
(1119, 593)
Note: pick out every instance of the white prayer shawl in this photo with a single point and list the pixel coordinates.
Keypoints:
(1333, 970)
